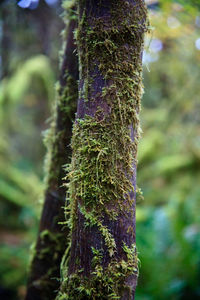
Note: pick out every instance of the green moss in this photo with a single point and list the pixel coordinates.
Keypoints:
(103, 284)
(68, 97)
(69, 13)
(52, 241)
(104, 151)
(64, 109)
(139, 194)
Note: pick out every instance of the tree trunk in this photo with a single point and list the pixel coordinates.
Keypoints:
(102, 188)
(45, 267)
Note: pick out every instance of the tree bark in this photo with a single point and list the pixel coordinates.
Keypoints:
(45, 267)
(102, 188)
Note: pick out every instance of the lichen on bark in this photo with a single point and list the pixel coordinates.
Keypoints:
(102, 174)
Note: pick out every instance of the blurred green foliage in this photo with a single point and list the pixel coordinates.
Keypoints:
(187, 3)
(27, 60)
(168, 221)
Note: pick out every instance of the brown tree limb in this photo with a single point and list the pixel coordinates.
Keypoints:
(51, 242)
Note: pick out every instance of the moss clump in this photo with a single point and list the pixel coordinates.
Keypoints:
(104, 150)
(56, 136)
(104, 143)
(103, 284)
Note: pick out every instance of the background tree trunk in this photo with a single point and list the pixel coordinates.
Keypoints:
(45, 267)
(102, 189)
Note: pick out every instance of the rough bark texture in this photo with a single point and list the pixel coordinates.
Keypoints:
(102, 189)
(45, 267)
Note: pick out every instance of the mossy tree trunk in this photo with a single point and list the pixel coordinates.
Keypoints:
(102, 189)
(45, 266)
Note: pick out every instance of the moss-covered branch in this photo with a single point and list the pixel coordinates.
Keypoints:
(45, 267)
(102, 174)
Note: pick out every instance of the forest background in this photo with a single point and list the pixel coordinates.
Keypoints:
(168, 231)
